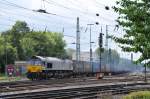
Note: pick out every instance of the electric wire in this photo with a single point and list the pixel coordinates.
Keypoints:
(12, 4)
(79, 11)
(60, 5)
(18, 6)
(35, 19)
(15, 5)
(29, 17)
(45, 14)
(84, 14)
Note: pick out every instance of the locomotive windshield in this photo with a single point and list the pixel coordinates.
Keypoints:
(35, 62)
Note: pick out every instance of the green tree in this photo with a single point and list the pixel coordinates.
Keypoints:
(28, 44)
(134, 18)
(48, 43)
(7, 53)
(15, 34)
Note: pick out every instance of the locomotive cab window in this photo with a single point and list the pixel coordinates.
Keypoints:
(49, 65)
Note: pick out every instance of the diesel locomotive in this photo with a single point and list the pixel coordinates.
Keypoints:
(48, 67)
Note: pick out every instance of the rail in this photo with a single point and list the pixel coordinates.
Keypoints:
(82, 91)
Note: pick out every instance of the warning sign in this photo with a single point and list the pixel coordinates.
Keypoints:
(10, 70)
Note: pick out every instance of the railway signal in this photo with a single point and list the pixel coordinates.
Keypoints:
(101, 40)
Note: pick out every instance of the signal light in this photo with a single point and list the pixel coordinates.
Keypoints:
(101, 40)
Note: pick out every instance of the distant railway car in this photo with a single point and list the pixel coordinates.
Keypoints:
(48, 67)
(86, 67)
(96, 66)
(81, 67)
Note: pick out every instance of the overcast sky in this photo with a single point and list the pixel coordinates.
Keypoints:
(67, 11)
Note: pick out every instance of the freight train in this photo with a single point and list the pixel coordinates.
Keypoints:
(49, 67)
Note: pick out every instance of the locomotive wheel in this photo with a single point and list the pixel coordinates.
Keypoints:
(33, 76)
(29, 75)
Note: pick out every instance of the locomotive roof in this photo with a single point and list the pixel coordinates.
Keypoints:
(47, 58)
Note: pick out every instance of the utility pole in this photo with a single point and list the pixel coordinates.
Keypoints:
(100, 48)
(78, 41)
(106, 41)
(107, 51)
(63, 30)
(146, 64)
(131, 57)
(91, 58)
(145, 78)
(110, 59)
(5, 46)
(43, 4)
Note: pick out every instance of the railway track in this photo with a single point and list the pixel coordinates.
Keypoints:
(31, 85)
(82, 92)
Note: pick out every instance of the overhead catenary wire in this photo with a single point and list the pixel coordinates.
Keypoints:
(15, 5)
(26, 16)
(11, 20)
(84, 13)
(102, 5)
(43, 4)
(35, 19)
(19, 7)
(47, 13)
(70, 9)
(60, 5)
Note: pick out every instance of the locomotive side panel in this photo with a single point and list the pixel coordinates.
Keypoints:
(57, 64)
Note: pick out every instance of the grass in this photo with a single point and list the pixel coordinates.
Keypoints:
(2, 74)
(138, 95)
(3, 77)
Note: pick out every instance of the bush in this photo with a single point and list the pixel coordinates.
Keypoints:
(2, 74)
(138, 95)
